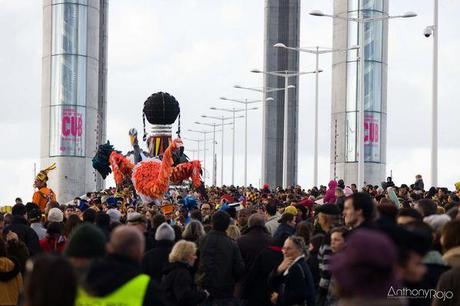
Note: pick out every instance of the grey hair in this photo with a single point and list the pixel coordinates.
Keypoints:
(193, 231)
(299, 242)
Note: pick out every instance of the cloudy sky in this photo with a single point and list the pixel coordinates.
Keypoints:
(198, 49)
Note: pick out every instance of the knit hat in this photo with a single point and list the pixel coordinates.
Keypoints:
(114, 215)
(165, 232)
(328, 209)
(86, 241)
(365, 267)
(55, 215)
(291, 210)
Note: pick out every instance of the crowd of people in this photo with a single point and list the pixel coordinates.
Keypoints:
(332, 245)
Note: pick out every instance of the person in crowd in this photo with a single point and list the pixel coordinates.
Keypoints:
(34, 217)
(44, 195)
(426, 207)
(339, 198)
(433, 261)
(89, 215)
(86, 243)
(117, 279)
(254, 239)
(193, 232)
(329, 197)
(313, 250)
(338, 239)
(359, 211)
(178, 280)
(233, 232)
(22, 229)
(450, 280)
(407, 215)
(304, 230)
(286, 226)
(103, 222)
(419, 185)
(221, 265)
(155, 259)
(376, 256)
(255, 290)
(71, 223)
(272, 218)
(10, 276)
(137, 220)
(291, 280)
(328, 215)
(55, 241)
(50, 281)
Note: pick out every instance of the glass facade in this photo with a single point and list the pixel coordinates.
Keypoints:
(68, 77)
(373, 56)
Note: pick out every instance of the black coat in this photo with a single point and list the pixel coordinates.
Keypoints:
(313, 264)
(255, 289)
(25, 233)
(252, 242)
(221, 264)
(110, 273)
(156, 259)
(179, 287)
(294, 288)
(283, 231)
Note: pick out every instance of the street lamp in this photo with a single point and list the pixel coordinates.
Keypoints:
(233, 111)
(433, 30)
(214, 159)
(361, 20)
(204, 141)
(222, 119)
(287, 117)
(317, 51)
(246, 103)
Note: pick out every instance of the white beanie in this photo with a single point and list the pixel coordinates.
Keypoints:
(165, 232)
(114, 215)
(55, 215)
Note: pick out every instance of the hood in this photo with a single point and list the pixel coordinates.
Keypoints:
(332, 185)
(108, 274)
(9, 268)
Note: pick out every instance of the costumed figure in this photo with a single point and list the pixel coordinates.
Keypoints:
(43, 195)
(150, 173)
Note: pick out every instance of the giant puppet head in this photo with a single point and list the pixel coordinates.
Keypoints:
(161, 111)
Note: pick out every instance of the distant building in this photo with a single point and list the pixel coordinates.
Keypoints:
(345, 93)
(74, 106)
(282, 25)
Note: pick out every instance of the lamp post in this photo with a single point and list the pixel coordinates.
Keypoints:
(287, 117)
(222, 119)
(204, 141)
(233, 111)
(361, 20)
(317, 51)
(246, 103)
(214, 142)
(433, 30)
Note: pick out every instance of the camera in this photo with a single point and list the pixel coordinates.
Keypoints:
(428, 31)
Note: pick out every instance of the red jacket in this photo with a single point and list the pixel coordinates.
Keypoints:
(51, 244)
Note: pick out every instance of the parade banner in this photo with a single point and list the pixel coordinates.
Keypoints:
(67, 131)
(372, 137)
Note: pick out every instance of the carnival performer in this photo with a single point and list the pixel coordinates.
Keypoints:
(43, 195)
